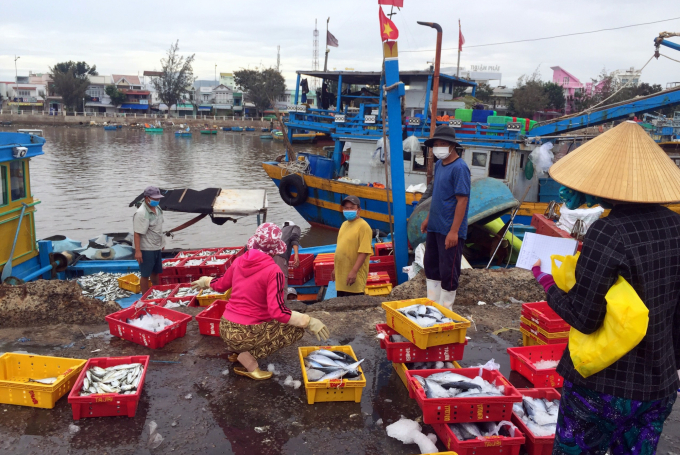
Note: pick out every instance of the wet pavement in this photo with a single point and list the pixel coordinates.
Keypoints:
(231, 414)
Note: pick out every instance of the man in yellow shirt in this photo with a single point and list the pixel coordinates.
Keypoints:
(353, 251)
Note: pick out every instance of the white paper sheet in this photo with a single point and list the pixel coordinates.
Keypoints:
(536, 246)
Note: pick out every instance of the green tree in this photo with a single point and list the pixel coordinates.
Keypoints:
(177, 78)
(117, 97)
(262, 87)
(555, 95)
(484, 92)
(529, 96)
(70, 80)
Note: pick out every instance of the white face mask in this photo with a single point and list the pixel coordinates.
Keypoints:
(441, 152)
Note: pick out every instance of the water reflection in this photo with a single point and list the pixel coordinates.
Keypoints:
(88, 176)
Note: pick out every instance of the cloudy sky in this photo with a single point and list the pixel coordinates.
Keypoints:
(128, 37)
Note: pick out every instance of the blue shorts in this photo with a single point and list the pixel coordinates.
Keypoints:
(152, 262)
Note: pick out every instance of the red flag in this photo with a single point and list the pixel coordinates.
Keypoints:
(461, 38)
(388, 31)
(397, 3)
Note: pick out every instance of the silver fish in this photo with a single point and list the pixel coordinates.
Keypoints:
(47, 381)
(329, 354)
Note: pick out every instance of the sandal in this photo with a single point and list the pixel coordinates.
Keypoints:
(258, 374)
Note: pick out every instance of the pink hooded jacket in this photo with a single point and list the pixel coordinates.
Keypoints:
(257, 293)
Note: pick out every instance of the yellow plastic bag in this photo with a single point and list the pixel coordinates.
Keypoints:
(624, 326)
(564, 275)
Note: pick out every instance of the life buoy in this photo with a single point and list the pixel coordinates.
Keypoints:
(293, 183)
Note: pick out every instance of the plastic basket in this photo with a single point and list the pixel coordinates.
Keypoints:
(542, 331)
(528, 339)
(470, 409)
(192, 270)
(493, 445)
(424, 338)
(212, 251)
(168, 279)
(383, 249)
(193, 302)
(154, 340)
(209, 299)
(16, 369)
(333, 390)
(157, 302)
(215, 270)
(324, 264)
(236, 251)
(304, 272)
(536, 445)
(187, 254)
(162, 287)
(522, 361)
(383, 264)
(378, 278)
(130, 283)
(401, 369)
(209, 319)
(542, 315)
(110, 404)
(378, 289)
(540, 337)
(171, 270)
(404, 352)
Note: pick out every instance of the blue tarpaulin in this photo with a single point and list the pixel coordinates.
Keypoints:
(204, 108)
(135, 106)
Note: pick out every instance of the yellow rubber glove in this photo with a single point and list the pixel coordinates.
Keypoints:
(202, 283)
(319, 329)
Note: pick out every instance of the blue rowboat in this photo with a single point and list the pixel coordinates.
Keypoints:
(237, 128)
(226, 128)
(182, 134)
(250, 129)
(110, 128)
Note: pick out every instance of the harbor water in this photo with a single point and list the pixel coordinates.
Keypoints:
(88, 177)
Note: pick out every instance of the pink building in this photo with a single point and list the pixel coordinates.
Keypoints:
(570, 83)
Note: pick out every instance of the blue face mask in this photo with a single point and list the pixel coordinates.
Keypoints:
(153, 203)
(350, 215)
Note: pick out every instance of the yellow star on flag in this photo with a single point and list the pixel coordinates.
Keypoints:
(388, 30)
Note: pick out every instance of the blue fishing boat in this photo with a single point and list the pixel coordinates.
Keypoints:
(265, 130)
(110, 127)
(250, 128)
(226, 128)
(182, 134)
(237, 129)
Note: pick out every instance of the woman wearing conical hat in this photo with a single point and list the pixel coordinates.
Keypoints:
(622, 407)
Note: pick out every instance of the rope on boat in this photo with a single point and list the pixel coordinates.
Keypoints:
(294, 167)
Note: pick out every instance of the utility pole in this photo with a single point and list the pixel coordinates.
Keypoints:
(325, 63)
(16, 76)
(278, 58)
(215, 74)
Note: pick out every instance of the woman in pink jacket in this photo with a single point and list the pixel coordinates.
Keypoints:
(256, 322)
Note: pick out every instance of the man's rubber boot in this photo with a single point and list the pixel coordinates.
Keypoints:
(447, 299)
(434, 289)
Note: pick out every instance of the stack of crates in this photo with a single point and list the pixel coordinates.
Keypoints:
(325, 263)
(540, 325)
(378, 283)
(180, 272)
(304, 272)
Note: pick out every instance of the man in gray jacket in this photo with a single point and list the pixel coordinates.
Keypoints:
(290, 233)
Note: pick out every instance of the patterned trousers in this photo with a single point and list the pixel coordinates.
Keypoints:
(260, 340)
(590, 423)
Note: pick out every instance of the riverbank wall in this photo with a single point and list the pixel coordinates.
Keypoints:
(26, 120)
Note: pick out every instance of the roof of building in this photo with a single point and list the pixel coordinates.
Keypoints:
(153, 73)
(132, 80)
(136, 92)
(559, 68)
(226, 74)
(373, 77)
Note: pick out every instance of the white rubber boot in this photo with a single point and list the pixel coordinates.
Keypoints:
(447, 299)
(434, 289)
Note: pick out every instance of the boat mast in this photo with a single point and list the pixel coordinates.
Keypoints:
(435, 97)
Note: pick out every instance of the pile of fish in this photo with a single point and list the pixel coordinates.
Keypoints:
(215, 261)
(122, 379)
(194, 262)
(46, 381)
(398, 339)
(538, 414)
(429, 365)
(103, 285)
(448, 384)
(481, 430)
(230, 252)
(158, 294)
(151, 322)
(546, 364)
(186, 254)
(323, 365)
(171, 263)
(187, 291)
(178, 303)
(206, 253)
(425, 315)
(210, 293)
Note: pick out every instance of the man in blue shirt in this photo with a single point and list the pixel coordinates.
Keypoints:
(446, 224)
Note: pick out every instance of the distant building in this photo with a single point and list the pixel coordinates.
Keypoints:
(223, 100)
(630, 76)
(227, 79)
(571, 86)
(477, 73)
(26, 93)
(137, 97)
(500, 100)
(99, 102)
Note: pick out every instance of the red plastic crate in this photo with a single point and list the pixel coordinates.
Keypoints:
(536, 445)
(303, 272)
(493, 445)
(541, 337)
(541, 314)
(240, 250)
(522, 360)
(383, 264)
(161, 287)
(187, 279)
(471, 409)
(192, 303)
(156, 302)
(168, 279)
(154, 340)
(324, 264)
(192, 270)
(215, 270)
(213, 251)
(110, 404)
(378, 278)
(384, 249)
(168, 270)
(406, 352)
(209, 319)
(187, 254)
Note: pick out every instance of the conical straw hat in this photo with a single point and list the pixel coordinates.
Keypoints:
(623, 164)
